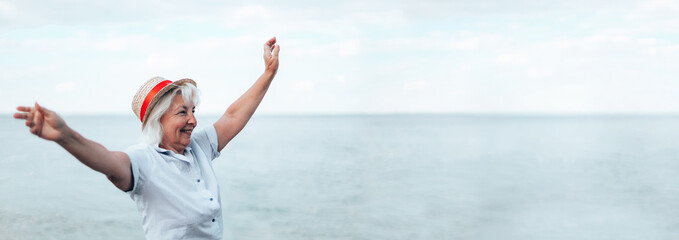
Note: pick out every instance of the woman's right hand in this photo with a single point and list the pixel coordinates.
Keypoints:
(271, 55)
(42, 122)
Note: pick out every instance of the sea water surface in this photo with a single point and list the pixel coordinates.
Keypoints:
(377, 177)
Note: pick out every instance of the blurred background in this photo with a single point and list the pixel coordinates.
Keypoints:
(349, 56)
(407, 119)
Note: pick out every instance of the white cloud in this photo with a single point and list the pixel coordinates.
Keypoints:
(656, 9)
(166, 61)
(349, 48)
(66, 87)
(509, 59)
(304, 86)
(512, 60)
(310, 49)
(539, 71)
(462, 9)
(126, 42)
(442, 42)
(250, 15)
(414, 86)
(6, 8)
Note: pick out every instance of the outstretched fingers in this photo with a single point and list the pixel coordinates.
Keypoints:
(42, 122)
(39, 117)
(25, 113)
(20, 115)
(269, 46)
(276, 50)
(271, 42)
(33, 116)
(271, 55)
(23, 109)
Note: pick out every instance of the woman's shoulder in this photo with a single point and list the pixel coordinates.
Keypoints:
(142, 155)
(139, 147)
(141, 150)
(203, 134)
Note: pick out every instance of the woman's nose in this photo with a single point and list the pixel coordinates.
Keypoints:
(192, 119)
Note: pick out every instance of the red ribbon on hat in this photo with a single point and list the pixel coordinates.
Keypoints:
(150, 96)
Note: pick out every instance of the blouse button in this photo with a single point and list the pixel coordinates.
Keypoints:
(213, 220)
(198, 180)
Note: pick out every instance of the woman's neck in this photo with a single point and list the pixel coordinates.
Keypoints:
(177, 150)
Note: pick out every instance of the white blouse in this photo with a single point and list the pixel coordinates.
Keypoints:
(178, 195)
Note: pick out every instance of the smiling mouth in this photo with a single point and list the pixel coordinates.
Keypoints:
(186, 131)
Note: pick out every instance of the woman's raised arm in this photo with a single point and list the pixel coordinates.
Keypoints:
(239, 113)
(47, 125)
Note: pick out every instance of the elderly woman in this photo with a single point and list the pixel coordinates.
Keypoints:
(170, 175)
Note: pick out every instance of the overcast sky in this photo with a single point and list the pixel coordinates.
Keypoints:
(486, 56)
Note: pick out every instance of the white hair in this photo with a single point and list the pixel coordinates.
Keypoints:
(152, 131)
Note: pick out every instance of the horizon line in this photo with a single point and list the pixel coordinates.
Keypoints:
(399, 113)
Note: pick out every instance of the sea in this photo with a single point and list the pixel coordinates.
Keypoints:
(391, 176)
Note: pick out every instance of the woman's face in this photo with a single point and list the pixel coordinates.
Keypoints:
(178, 124)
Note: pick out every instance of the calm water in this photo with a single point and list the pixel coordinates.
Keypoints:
(377, 177)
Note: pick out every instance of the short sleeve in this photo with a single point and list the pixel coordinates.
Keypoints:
(139, 159)
(206, 139)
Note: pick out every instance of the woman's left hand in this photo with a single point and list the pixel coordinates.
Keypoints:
(42, 122)
(271, 55)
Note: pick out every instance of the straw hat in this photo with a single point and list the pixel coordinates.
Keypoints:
(148, 94)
